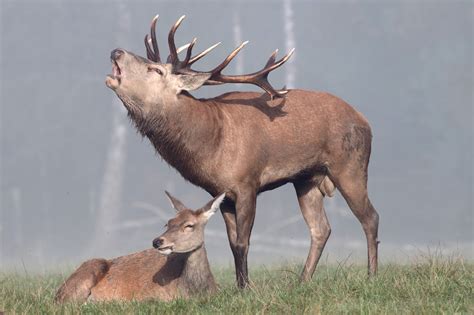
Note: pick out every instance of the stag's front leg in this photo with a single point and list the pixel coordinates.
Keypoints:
(228, 213)
(245, 204)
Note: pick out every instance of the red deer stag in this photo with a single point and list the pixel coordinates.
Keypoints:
(179, 268)
(245, 143)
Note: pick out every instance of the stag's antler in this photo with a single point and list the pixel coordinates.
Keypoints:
(152, 53)
(173, 56)
(259, 78)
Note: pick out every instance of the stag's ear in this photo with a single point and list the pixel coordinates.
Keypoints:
(189, 82)
(177, 205)
(212, 206)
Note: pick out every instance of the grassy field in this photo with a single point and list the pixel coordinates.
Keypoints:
(434, 285)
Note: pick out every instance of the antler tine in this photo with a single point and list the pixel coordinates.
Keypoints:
(272, 58)
(173, 57)
(149, 52)
(189, 51)
(202, 54)
(180, 49)
(272, 65)
(154, 42)
(227, 60)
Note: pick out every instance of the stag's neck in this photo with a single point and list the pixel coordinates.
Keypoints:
(186, 132)
(196, 276)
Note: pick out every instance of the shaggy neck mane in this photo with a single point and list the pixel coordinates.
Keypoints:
(177, 131)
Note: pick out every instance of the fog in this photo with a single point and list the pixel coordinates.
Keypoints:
(77, 181)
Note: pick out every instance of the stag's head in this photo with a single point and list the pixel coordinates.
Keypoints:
(185, 232)
(145, 82)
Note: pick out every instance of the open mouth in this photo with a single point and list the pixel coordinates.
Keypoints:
(116, 72)
(115, 78)
(165, 250)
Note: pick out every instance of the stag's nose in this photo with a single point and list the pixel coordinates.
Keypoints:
(116, 53)
(157, 242)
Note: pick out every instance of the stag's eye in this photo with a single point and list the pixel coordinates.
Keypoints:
(150, 69)
(189, 226)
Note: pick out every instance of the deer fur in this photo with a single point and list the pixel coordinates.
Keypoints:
(246, 143)
(178, 267)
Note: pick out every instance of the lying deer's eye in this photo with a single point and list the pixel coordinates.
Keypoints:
(189, 226)
(155, 69)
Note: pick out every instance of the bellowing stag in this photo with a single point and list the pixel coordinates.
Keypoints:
(245, 143)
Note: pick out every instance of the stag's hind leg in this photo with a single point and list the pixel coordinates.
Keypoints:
(349, 174)
(355, 193)
(310, 199)
(78, 286)
(352, 184)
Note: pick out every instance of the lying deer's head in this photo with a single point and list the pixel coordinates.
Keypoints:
(142, 83)
(185, 232)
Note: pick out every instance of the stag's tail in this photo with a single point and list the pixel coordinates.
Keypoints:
(78, 286)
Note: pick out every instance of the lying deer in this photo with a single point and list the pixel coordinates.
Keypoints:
(178, 268)
(246, 142)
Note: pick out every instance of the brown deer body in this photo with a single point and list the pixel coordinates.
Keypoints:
(245, 143)
(178, 267)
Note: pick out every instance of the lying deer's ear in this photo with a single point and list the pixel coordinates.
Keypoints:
(212, 206)
(177, 205)
(189, 82)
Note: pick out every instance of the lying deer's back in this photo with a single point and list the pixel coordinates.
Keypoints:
(139, 276)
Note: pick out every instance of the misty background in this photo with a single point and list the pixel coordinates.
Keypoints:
(77, 181)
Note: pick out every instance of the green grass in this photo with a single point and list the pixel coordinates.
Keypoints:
(435, 285)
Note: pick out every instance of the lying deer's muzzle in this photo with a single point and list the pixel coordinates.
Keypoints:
(158, 243)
